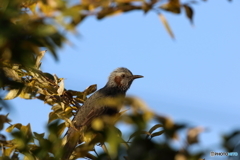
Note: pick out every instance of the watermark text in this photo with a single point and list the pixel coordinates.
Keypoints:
(230, 154)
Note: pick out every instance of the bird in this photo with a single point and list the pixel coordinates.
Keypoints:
(117, 85)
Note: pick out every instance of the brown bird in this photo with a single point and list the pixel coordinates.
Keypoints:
(118, 83)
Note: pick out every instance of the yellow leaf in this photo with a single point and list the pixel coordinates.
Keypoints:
(61, 87)
(60, 129)
(28, 157)
(192, 134)
(12, 94)
(90, 89)
(17, 125)
(172, 6)
(117, 12)
(180, 157)
(46, 9)
(26, 93)
(88, 137)
(32, 8)
(52, 116)
(97, 124)
(8, 151)
(166, 25)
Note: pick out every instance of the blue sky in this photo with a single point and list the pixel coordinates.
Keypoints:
(194, 78)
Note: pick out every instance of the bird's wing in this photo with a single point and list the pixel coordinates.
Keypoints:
(74, 135)
(97, 112)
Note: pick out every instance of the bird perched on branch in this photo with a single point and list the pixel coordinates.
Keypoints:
(118, 83)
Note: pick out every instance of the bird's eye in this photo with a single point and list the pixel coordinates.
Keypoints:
(123, 75)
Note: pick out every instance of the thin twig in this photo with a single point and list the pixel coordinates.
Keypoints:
(105, 150)
(95, 152)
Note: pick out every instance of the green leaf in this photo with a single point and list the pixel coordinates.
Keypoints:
(38, 136)
(138, 133)
(155, 127)
(26, 130)
(17, 125)
(157, 133)
(60, 129)
(3, 119)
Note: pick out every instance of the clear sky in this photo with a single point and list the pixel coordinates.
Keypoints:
(194, 78)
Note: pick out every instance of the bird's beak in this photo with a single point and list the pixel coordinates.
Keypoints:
(136, 76)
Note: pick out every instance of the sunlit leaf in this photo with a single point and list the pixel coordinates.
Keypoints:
(172, 6)
(90, 89)
(60, 129)
(28, 25)
(193, 134)
(28, 157)
(52, 116)
(181, 157)
(12, 94)
(39, 58)
(61, 87)
(97, 124)
(166, 25)
(32, 7)
(17, 125)
(8, 151)
(27, 93)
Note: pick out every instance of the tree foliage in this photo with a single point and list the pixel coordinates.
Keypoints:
(28, 25)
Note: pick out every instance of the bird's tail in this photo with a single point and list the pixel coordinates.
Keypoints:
(72, 139)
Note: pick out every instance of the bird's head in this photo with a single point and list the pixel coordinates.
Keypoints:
(121, 78)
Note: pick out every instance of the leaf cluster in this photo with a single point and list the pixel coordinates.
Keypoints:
(65, 103)
(28, 25)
